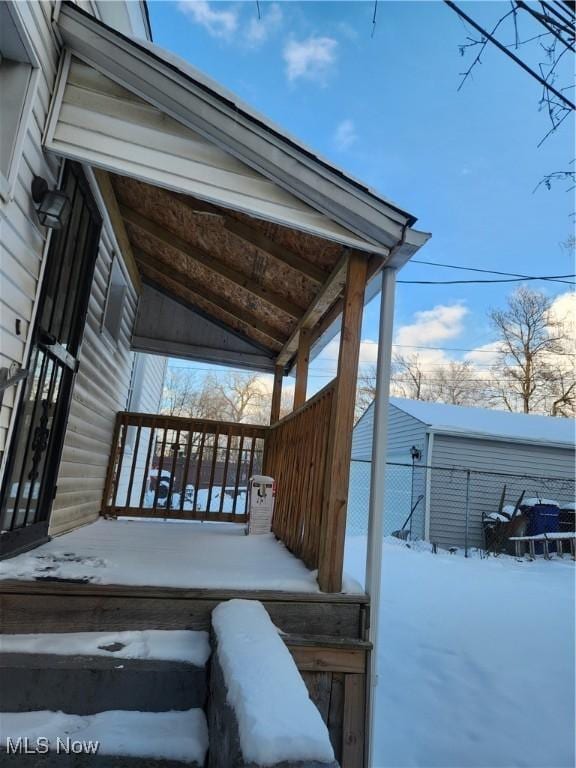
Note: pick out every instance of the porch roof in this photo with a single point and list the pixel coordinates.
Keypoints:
(215, 208)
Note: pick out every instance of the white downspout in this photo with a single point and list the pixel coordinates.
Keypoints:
(377, 485)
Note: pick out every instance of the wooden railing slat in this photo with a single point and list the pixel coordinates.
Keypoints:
(165, 435)
(296, 451)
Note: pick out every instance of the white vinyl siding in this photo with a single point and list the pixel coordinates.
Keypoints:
(102, 123)
(22, 239)
(404, 431)
(100, 391)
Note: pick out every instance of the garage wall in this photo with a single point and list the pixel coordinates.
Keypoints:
(539, 470)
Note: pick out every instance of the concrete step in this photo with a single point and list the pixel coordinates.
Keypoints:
(111, 739)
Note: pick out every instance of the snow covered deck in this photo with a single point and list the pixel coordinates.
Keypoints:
(186, 555)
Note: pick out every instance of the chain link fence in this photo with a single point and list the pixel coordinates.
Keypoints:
(446, 505)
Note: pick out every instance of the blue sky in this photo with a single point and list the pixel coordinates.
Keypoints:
(386, 108)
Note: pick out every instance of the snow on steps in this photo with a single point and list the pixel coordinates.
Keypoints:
(88, 672)
(260, 713)
(123, 738)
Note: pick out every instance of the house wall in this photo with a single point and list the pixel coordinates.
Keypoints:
(22, 239)
(100, 391)
(101, 386)
(526, 466)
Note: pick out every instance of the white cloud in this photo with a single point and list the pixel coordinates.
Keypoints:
(219, 23)
(444, 321)
(259, 30)
(485, 355)
(310, 59)
(345, 135)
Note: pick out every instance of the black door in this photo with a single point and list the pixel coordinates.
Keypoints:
(29, 484)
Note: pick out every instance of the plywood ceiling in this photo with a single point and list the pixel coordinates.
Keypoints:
(258, 278)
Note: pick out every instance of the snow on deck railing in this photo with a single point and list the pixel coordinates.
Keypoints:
(276, 719)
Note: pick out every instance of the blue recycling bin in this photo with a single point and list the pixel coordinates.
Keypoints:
(542, 518)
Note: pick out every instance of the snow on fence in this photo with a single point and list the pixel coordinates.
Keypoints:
(444, 504)
(171, 467)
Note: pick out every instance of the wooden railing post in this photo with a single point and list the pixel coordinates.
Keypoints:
(302, 360)
(276, 394)
(342, 421)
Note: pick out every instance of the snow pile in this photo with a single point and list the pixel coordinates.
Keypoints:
(537, 501)
(159, 644)
(277, 721)
(161, 735)
(476, 659)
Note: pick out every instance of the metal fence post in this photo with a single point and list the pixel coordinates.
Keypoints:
(467, 513)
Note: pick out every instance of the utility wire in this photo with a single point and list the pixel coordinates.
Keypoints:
(486, 271)
(559, 95)
(483, 282)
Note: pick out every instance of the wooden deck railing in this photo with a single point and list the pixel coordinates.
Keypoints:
(296, 455)
(170, 467)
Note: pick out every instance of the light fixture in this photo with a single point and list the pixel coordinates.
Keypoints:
(53, 207)
(415, 453)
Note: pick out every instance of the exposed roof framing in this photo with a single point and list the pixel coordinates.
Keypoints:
(157, 272)
(196, 253)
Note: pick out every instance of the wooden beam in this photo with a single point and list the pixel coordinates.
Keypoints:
(159, 273)
(109, 196)
(326, 296)
(256, 237)
(375, 264)
(302, 360)
(276, 394)
(209, 262)
(342, 422)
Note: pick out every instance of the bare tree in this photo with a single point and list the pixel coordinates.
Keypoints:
(365, 390)
(409, 378)
(241, 397)
(531, 341)
(455, 383)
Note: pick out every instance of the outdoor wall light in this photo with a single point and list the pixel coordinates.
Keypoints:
(415, 453)
(53, 207)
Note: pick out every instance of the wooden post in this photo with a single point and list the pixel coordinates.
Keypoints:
(302, 360)
(276, 394)
(342, 422)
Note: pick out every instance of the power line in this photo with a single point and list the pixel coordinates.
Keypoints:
(486, 35)
(486, 271)
(483, 282)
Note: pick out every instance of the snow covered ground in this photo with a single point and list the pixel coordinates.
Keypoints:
(476, 659)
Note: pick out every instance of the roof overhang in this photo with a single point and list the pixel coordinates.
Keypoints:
(153, 123)
(465, 434)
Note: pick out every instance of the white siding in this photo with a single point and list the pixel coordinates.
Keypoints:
(493, 464)
(22, 239)
(100, 391)
(101, 123)
(404, 431)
